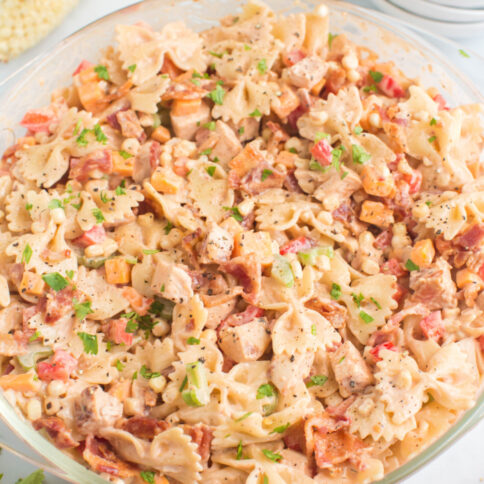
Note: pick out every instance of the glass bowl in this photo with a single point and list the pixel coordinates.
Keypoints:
(31, 87)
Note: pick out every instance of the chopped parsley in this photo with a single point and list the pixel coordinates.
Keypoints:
(150, 251)
(99, 134)
(317, 380)
(241, 130)
(262, 66)
(90, 342)
(375, 302)
(82, 309)
(366, 317)
(77, 127)
(376, 76)
(148, 374)
(248, 414)
(193, 341)
(273, 456)
(119, 365)
(358, 130)
(255, 114)
(335, 291)
(148, 476)
(433, 122)
(217, 95)
(411, 266)
(235, 213)
(210, 125)
(125, 154)
(131, 326)
(168, 228)
(331, 37)
(265, 390)
(98, 215)
(293, 150)
(211, 170)
(266, 174)
(313, 330)
(247, 47)
(463, 53)
(281, 429)
(216, 54)
(206, 152)
(104, 198)
(240, 448)
(357, 298)
(132, 68)
(28, 206)
(26, 254)
(54, 203)
(102, 72)
(315, 166)
(34, 337)
(360, 156)
(55, 281)
(371, 88)
(432, 139)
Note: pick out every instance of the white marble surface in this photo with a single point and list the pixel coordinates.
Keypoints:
(461, 464)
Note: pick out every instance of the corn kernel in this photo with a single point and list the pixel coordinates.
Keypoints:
(375, 120)
(94, 250)
(58, 215)
(350, 61)
(51, 405)
(465, 277)
(158, 383)
(56, 388)
(131, 145)
(246, 206)
(161, 134)
(34, 409)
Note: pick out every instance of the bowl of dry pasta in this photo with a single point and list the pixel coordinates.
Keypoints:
(241, 243)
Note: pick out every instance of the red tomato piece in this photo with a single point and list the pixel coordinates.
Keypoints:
(116, 332)
(296, 245)
(61, 365)
(390, 87)
(432, 326)
(82, 67)
(322, 152)
(93, 236)
(414, 181)
(439, 99)
(37, 121)
(387, 345)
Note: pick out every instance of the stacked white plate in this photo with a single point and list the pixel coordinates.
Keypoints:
(452, 18)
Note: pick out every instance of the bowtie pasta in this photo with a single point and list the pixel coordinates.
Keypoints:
(248, 255)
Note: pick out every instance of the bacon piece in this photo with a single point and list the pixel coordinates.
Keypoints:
(262, 177)
(322, 152)
(57, 430)
(384, 239)
(294, 437)
(481, 342)
(295, 115)
(112, 118)
(138, 302)
(144, 427)
(416, 309)
(400, 291)
(93, 236)
(335, 80)
(472, 237)
(250, 313)
(291, 183)
(432, 326)
(57, 304)
(247, 270)
(98, 160)
(393, 267)
(389, 86)
(387, 345)
(201, 435)
(60, 367)
(335, 313)
(414, 181)
(115, 330)
(130, 125)
(99, 454)
(146, 161)
(297, 245)
(292, 57)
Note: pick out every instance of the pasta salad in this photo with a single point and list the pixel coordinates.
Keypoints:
(252, 254)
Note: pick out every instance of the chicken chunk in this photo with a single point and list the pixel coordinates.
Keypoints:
(217, 246)
(350, 370)
(130, 125)
(434, 286)
(246, 342)
(95, 409)
(334, 190)
(171, 281)
(307, 72)
(228, 145)
(186, 125)
(146, 161)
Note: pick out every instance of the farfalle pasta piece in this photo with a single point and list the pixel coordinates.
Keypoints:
(146, 96)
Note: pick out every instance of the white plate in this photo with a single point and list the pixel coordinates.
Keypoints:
(440, 12)
(460, 3)
(453, 30)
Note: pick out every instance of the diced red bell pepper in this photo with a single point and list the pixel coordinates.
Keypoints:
(117, 332)
(37, 121)
(322, 152)
(293, 57)
(296, 245)
(387, 345)
(389, 86)
(96, 235)
(432, 326)
(82, 67)
(60, 367)
(414, 181)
